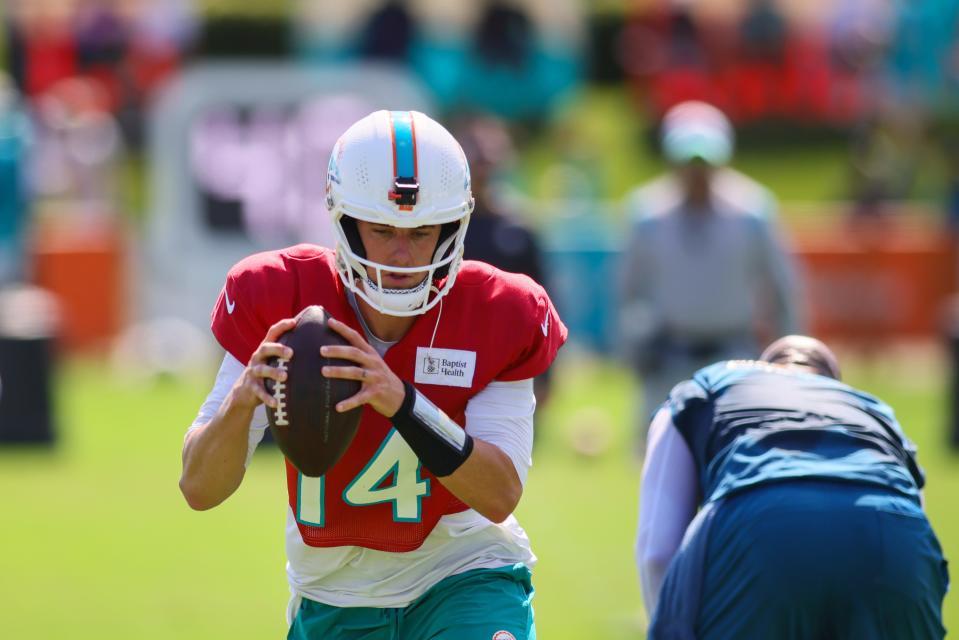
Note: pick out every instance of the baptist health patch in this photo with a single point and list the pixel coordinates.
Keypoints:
(448, 367)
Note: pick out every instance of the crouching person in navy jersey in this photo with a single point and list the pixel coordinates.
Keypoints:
(810, 522)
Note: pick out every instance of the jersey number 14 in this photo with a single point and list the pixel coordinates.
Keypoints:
(392, 475)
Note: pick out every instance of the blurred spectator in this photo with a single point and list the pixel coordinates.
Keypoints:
(100, 35)
(687, 72)
(388, 34)
(685, 45)
(951, 152)
(771, 64)
(503, 35)
(164, 27)
(14, 138)
(128, 48)
(884, 157)
(514, 59)
(703, 268)
(754, 79)
(859, 33)
(763, 31)
(160, 35)
(43, 49)
(78, 146)
(327, 32)
(951, 331)
(917, 58)
(514, 66)
(496, 235)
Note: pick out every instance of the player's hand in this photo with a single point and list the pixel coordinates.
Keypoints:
(249, 391)
(381, 388)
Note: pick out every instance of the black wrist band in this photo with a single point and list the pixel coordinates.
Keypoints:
(440, 444)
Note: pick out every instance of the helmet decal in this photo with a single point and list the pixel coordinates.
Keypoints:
(332, 176)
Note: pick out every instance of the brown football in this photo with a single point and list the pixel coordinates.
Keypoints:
(305, 424)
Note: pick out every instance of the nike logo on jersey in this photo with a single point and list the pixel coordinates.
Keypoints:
(230, 304)
(545, 325)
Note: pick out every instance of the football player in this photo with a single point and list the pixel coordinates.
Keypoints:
(411, 534)
(811, 523)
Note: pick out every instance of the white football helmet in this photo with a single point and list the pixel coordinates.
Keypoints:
(403, 169)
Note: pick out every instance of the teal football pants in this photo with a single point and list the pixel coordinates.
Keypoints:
(482, 604)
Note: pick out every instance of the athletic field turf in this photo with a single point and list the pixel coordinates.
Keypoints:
(98, 543)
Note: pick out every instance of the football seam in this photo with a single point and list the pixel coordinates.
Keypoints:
(280, 396)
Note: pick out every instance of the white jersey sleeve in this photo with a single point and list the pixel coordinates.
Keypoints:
(502, 415)
(668, 499)
(230, 371)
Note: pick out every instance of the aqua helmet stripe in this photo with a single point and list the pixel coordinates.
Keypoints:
(406, 182)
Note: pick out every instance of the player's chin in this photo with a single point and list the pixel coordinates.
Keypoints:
(403, 280)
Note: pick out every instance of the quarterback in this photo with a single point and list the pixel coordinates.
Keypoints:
(411, 534)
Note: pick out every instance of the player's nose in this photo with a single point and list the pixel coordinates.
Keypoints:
(401, 250)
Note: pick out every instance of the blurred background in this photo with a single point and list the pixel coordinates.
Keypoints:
(147, 145)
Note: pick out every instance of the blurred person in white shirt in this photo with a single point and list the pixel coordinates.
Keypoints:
(704, 268)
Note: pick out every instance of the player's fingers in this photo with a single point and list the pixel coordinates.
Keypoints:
(266, 371)
(265, 397)
(254, 388)
(347, 353)
(347, 373)
(271, 349)
(361, 398)
(351, 335)
(278, 329)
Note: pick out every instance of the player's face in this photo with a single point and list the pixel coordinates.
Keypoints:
(695, 177)
(398, 247)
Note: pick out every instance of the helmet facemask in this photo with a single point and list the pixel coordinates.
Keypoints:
(352, 265)
(404, 170)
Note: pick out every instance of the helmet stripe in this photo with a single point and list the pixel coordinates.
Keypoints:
(406, 184)
(404, 144)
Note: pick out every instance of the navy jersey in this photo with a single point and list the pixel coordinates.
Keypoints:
(750, 423)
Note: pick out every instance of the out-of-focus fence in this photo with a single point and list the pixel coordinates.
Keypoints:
(876, 280)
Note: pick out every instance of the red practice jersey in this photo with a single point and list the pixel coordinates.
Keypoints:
(494, 326)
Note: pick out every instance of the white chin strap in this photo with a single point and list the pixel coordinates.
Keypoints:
(397, 301)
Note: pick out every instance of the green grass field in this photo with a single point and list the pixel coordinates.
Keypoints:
(98, 543)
